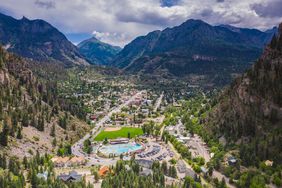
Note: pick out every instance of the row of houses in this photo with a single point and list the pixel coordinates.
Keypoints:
(68, 161)
(74, 176)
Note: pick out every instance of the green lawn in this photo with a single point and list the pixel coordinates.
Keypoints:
(122, 133)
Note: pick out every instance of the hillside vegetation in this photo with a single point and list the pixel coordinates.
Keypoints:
(249, 113)
(32, 115)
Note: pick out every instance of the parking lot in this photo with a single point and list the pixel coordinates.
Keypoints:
(198, 148)
(156, 152)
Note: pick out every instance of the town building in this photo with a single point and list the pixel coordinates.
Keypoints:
(190, 172)
(76, 161)
(119, 141)
(232, 160)
(73, 176)
(103, 171)
(67, 161)
(268, 163)
(181, 167)
(43, 175)
(60, 161)
(204, 170)
(144, 163)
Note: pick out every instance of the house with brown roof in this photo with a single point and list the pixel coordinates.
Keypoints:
(67, 161)
(60, 161)
(76, 161)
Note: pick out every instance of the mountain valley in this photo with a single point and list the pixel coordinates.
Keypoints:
(195, 105)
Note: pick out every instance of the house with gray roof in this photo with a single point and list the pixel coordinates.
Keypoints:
(144, 163)
(73, 176)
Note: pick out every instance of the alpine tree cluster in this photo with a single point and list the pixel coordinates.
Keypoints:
(123, 177)
(26, 100)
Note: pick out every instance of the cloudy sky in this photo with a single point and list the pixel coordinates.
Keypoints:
(119, 21)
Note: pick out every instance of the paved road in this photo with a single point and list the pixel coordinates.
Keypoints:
(197, 143)
(76, 147)
(158, 102)
(200, 147)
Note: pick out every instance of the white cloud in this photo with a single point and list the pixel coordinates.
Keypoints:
(45, 4)
(118, 22)
(109, 37)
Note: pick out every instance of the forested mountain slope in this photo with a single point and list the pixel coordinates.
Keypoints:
(249, 113)
(32, 115)
(194, 49)
(98, 52)
(38, 40)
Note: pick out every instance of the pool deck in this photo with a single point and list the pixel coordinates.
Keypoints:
(119, 149)
(163, 154)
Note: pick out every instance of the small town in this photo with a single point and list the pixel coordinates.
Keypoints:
(133, 127)
(140, 94)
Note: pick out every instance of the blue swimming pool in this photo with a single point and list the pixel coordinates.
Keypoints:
(118, 149)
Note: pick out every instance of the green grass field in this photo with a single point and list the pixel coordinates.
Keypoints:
(122, 133)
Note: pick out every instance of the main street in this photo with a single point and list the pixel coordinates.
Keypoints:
(158, 102)
(77, 147)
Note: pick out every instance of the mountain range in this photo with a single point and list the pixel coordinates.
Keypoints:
(194, 48)
(98, 52)
(249, 112)
(38, 40)
(196, 51)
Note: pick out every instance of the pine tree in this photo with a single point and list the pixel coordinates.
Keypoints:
(33, 180)
(33, 122)
(128, 135)
(3, 161)
(4, 135)
(54, 142)
(164, 167)
(1, 61)
(53, 130)
(19, 134)
(25, 162)
(1, 110)
(14, 166)
(174, 172)
(63, 122)
(96, 176)
(40, 123)
(14, 124)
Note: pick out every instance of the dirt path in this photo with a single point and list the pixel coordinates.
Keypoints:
(111, 129)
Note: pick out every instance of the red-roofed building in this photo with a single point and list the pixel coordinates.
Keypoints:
(103, 171)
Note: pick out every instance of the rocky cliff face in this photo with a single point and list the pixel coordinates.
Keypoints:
(250, 111)
(38, 40)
